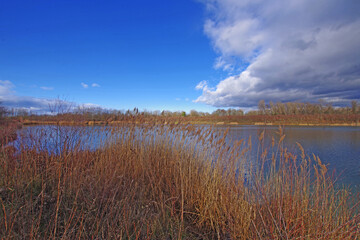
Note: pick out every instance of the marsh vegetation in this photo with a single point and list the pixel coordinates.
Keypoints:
(169, 181)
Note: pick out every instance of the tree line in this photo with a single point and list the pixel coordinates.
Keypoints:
(297, 108)
(81, 113)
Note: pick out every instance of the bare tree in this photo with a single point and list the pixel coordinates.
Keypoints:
(2, 110)
(60, 106)
(194, 113)
(354, 106)
(262, 107)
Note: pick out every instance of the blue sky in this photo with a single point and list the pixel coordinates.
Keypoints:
(178, 55)
(145, 54)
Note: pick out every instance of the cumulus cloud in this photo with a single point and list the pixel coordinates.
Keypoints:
(84, 85)
(95, 85)
(298, 50)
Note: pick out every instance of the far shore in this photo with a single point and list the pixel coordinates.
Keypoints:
(106, 123)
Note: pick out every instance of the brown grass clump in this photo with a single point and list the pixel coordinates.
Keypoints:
(153, 181)
(8, 132)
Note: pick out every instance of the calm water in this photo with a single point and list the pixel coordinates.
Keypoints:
(338, 147)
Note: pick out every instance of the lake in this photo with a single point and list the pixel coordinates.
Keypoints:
(337, 147)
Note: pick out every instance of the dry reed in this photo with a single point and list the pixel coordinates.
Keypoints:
(173, 181)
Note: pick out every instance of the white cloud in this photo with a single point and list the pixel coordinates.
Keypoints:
(203, 85)
(29, 103)
(233, 38)
(299, 50)
(89, 105)
(6, 88)
(10, 99)
(222, 63)
(84, 85)
(47, 88)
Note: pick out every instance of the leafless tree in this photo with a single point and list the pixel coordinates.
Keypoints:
(60, 106)
(3, 112)
(262, 107)
(354, 106)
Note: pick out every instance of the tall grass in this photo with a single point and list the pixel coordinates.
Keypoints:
(153, 181)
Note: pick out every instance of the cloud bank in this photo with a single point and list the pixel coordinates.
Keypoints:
(283, 50)
(10, 99)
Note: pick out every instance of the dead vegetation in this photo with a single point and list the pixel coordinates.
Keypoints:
(173, 181)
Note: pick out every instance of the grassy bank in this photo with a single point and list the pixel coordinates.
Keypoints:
(171, 181)
(280, 120)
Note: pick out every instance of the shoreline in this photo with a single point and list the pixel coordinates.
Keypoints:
(109, 123)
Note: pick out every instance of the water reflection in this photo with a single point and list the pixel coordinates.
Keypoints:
(338, 147)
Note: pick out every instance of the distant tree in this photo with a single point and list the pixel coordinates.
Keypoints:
(252, 112)
(295, 108)
(280, 108)
(301, 107)
(23, 112)
(309, 108)
(230, 112)
(60, 106)
(354, 106)
(329, 109)
(321, 106)
(239, 112)
(3, 112)
(219, 112)
(262, 107)
(156, 113)
(347, 110)
(289, 108)
(317, 108)
(167, 113)
(272, 108)
(135, 111)
(194, 113)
